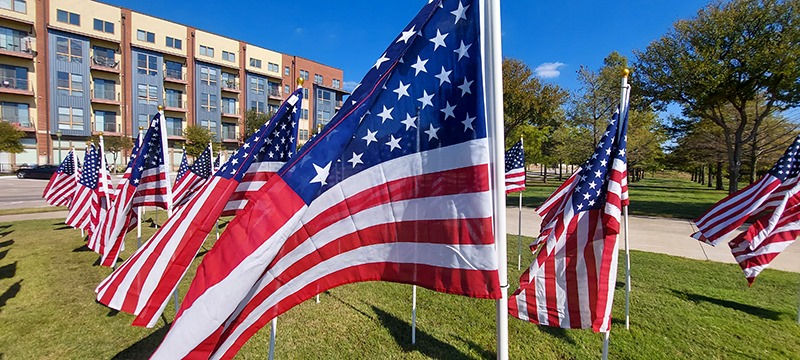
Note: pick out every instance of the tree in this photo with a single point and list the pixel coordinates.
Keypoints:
(10, 138)
(253, 120)
(731, 54)
(197, 139)
(115, 144)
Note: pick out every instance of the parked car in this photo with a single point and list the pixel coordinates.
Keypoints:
(37, 172)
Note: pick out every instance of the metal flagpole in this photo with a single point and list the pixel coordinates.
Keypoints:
(139, 209)
(273, 328)
(103, 179)
(493, 85)
(413, 314)
(519, 219)
(605, 344)
(75, 174)
(168, 169)
(623, 106)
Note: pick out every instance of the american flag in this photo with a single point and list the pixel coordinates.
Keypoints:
(148, 182)
(87, 195)
(182, 170)
(571, 282)
(61, 187)
(142, 284)
(193, 178)
(394, 188)
(754, 260)
(515, 168)
(768, 195)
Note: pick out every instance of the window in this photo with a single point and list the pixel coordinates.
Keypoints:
(337, 84)
(147, 64)
(14, 77)
(208, 102)
(68, 17)
(104, 57)
(206, 51)
(16, 113)
(305, 114)
(174, 126)
(208, 76)
(104, 26)
(11, 39)
(105, 89)
(258, 106)
(105, 121)
(302, 135)
(317, 79)
(256, 63)
(143, 121)
(145, 36)
(228, 56)
(286, 89)
(211, 125)
(147, 94)
(273, 67)
(274, 89)
(70, 118)
(272, 109)
(174, 70)
(228, 132)
(287, 71)
(305, 93)
(257, 85)
(229, 81)
(229, 106)
(174, 43)
(69, 84)
(304, 74)
(174, 98)
(69, 50)
(19, 6)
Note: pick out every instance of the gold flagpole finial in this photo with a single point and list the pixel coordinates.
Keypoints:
(625, 72)
(160, 107)
(141, 128)
(300, 81)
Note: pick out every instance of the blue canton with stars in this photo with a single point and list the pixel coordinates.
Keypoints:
(202, 165)
(184, 168)
(590, 191)
(424, 92)
(68, 165)
(151, 154)
(274, 141)
(91, 168)
(515, 157)
(788, 166)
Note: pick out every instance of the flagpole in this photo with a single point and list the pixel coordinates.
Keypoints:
(168, 169)
(519, 219)
(77, 179)
(623, 101)
(493, 84)
(413, 314)
(273, 328)
(605, 344)
(139, 208)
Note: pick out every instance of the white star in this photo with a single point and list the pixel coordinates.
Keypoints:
(465, 87)
(407, 35)
(234, 161)
(598, 173)
(322, 174)
(591, 203)
(370, 137)
(603, 162)
(271, 154)
(402, 90)
(608, 151)
(592, 185)
(426, 99)
(386, 114)
(448, 111)
(438, 40)
(580, 206)
(136, 181)
(462, 51)
(460, 12)
(468, 123)
(586, 196)
(444, 77)
(393, 143)
(419, 66)
(432, 133)
(622, 152)
(246, 145)
(409, 122)
(356, 159)
(378, 63)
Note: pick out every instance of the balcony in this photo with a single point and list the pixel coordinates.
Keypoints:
(229, 134)
(105, 127)
(23, 124)
(105, 96)
(15, 50)
(230, 110)
(175, 76)
(275, 94)
(15, 85)
(230, 85)
(104, 63)
(174, 131)
(175, 105)
(338, 104)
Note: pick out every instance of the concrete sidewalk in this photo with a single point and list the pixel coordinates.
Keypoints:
(658, 235)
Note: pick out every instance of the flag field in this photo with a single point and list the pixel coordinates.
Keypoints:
(680, 308)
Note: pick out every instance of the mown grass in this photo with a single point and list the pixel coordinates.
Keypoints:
(661, 195)
(680, 309)
(35, 210)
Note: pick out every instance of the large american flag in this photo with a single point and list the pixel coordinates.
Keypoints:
(142, 284)
(769, 195)
(191, 179)
(571, 282)
(515, 168)
(148, 182)
(394, 188)
(61, 187)
(87, 195)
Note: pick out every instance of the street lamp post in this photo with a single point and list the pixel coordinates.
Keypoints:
(58, 135)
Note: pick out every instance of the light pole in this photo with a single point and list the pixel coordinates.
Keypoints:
(58, 135)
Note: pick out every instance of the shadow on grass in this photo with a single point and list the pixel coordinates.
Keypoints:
(65, 227)
(142, 349)
(3, 254)
(484, 353)
(558, 333)
(82, 248)
(426, 344)
(8, 271)
(6, 243)
(345, 303)
(200, 254)
(3, 227)
(6, 233)
(749, 309)
(10, 293)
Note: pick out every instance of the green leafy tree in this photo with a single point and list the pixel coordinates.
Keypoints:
(197, 139)
(10, 138)
(253, 120)
(730, 54)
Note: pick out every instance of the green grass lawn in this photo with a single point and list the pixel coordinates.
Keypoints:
(35, 210)
(680, 309)
(662, 195)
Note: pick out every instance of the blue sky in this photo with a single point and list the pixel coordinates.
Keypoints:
(351, 34)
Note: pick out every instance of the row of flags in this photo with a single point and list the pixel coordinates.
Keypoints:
(397, 187)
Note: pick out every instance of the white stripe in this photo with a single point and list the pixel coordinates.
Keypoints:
(254, 185)
(582, 273)
(771, 248)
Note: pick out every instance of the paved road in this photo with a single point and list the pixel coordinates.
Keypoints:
(21, 193)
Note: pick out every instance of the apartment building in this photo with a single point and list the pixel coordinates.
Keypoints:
(73, 68)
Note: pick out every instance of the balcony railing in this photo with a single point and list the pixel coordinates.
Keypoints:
(274, 92)
(105, 61)
(175, 103)
(110, 127)
(10, 82)
(229, 134)
(174, 130)
(106, 94)
(230, 85)
(174, 74)
(14, 47)
(229, 110)
(18, 121)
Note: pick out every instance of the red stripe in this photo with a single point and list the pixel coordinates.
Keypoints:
(571, 260)
(590, 257)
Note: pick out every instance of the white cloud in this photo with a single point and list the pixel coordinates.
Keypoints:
(349, 85)
(548, 70)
